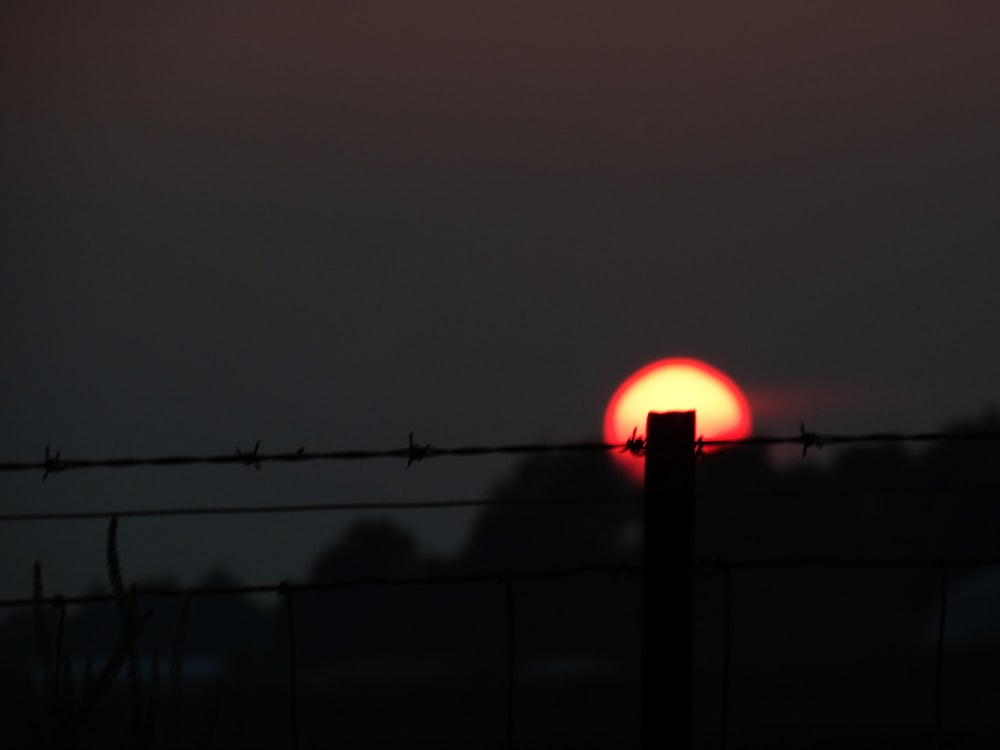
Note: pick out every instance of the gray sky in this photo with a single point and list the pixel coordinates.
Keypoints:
(330, 224)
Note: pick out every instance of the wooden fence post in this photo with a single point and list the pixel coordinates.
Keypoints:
(668, 584)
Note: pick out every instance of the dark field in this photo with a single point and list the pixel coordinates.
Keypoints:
(846, 702)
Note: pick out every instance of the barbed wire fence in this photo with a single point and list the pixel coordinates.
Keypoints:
(507, 580)
(53, 463)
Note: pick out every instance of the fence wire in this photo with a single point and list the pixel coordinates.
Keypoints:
(507, 579)
(226, 510)
(54, 463)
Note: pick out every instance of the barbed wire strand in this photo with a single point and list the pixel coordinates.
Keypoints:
(55, 463)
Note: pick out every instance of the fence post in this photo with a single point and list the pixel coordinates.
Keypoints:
(668, 584)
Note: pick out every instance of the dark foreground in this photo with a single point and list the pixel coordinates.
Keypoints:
(833, 705)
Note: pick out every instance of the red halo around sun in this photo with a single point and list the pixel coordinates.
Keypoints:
(676, 384)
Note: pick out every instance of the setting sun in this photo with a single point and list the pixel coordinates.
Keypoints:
(676, 384)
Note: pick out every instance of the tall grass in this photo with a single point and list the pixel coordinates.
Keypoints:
(68, 717)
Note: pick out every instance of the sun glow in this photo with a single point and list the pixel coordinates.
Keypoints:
(676, 384)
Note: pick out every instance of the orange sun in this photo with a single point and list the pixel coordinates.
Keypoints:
(676, 384)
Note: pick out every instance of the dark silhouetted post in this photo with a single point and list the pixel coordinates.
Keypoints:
(668, 588)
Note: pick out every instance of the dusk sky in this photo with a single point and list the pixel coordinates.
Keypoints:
(329, 224)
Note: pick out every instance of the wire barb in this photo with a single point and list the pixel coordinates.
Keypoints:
(809, 439)
(252, 458)
(416, 452)
(635, 445)
(51, 464)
